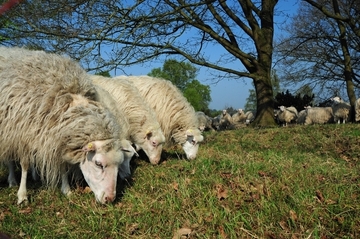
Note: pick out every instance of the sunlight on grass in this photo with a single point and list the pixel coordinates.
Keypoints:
(294, 182)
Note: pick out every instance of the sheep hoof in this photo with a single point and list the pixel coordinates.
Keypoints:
(22, 201)
(68, 194)
(12, 184)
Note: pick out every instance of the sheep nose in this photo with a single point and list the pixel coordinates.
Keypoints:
(109, 199)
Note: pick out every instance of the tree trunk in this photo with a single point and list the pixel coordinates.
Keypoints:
(265, 102)
(263, 38)
(347, 62)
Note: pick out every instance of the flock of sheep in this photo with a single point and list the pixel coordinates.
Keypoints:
(54, 116)
(338, 112)
(225, 120)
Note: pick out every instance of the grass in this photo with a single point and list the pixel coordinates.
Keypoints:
(293, 182)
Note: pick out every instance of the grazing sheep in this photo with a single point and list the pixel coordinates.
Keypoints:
(357, 110)
(287, 115)
(318, 115)
(341, 110)
(48, 120)
(215, 122)
(175, 114)
(205, 122)
(144, 129)
(109, 102)
(302, 116)
(225, 121)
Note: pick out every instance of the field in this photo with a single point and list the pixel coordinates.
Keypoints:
(290, 182)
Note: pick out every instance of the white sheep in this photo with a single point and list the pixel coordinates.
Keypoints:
(243, 117)
(239, 116)
(48, 121)
(205, 122)
(341, 110)
(225, 121)
(250, 116)
(104, 97)
(357, 110)
(144, 129)
(175, 114)
(302, 116)
(287, 115)
(318, 115)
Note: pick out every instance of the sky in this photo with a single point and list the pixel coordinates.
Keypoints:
(225, 93)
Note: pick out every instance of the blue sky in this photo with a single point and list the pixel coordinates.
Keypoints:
(225, 93)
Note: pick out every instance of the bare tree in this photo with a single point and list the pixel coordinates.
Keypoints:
(108, 34)
(351, 21)
(322, 51)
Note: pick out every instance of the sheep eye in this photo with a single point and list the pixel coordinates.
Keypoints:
(98, 164)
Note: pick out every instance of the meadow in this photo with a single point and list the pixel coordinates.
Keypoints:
(286, 182)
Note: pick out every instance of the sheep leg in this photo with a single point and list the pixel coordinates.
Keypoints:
(22, 194)
(11, 178)
(34, 174)
(65, 186)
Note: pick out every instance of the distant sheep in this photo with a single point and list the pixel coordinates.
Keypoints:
(239, 116)
(341, 110)
(250, 117)
(318, 115)
(215, 122)
(302, 116)
(287, 115)
(225, 121)
(205, 122)
(175, 114)
(144, 129)
(48, 120)
(357, 110)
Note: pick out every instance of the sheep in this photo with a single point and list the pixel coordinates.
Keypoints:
(144, 129)
(205, 122)
(215, 122)
(357, 110)
(225, 121)
(318, 115)
(124, 169)
(287, 115)
(302, 115)
(50, 121)
(250, 116)
(239, 116)
(341, 110)
(175, 114)
(243, 118)
(104, 97)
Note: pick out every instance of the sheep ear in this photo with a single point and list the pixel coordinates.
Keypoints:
(89, 147)
(148, 135)
(129, 148)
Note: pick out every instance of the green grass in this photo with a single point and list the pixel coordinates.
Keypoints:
(293, 182)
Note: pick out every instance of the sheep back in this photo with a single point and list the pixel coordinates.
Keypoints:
(319, 115)
(174, 113)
